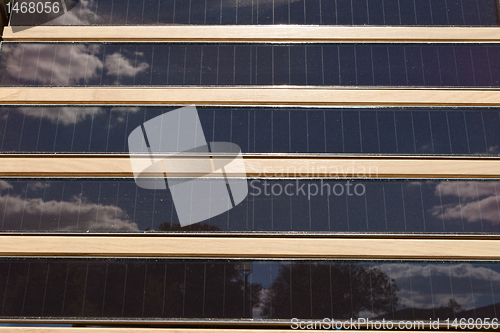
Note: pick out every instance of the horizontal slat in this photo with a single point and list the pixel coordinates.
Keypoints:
(255, 33)
(250, 247)
(285, 95)
(120, 166)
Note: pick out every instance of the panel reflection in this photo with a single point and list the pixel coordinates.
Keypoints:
(322, 12)
(212, 289)
(262, 129)
(118, 205)
(116, 64)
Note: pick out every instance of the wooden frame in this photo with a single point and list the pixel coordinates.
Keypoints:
(250, 247)
(244, 33)
(272, 95)
(277, 166)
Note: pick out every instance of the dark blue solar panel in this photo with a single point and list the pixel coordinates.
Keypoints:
(212, 291)
(310, 12)
(404, 131)
(272, 205)
(114, 64)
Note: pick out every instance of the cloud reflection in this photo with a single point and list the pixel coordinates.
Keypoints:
(412, 279)
(62, 115)
(72, 115)
(65, 64)
(84, 13)
(55, 65)
(476, 201)
(90, 216)
(117, 64)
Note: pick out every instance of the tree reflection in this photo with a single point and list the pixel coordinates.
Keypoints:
(343, 290)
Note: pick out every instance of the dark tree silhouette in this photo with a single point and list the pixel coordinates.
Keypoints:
(325, 290)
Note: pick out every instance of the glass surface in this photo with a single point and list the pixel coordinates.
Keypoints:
(405, 131)
(263, 290)
(272, 205)
(116, 64)
(310, 12)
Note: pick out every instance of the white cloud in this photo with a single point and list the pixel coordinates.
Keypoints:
(81, 14)
(63, 115)
(4, 185)
(38, 186)
(493, 150)
(411, 297)
(468, 190)
(125, 109)
(455, 270)
(109, 217)
(485, 209)
(470, 208)
(117, 64)
(39, 61)
(72, 115)
(120, 113)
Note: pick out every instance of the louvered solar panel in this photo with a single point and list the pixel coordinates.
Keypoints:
(166, 290)
(115, 64)
(327, 205)
(310, 12)
(403, 131)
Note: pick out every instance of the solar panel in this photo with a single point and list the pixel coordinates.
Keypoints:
(404, 131)
(272, 205)
(310, 12)
(116, 64)
(169, 290)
